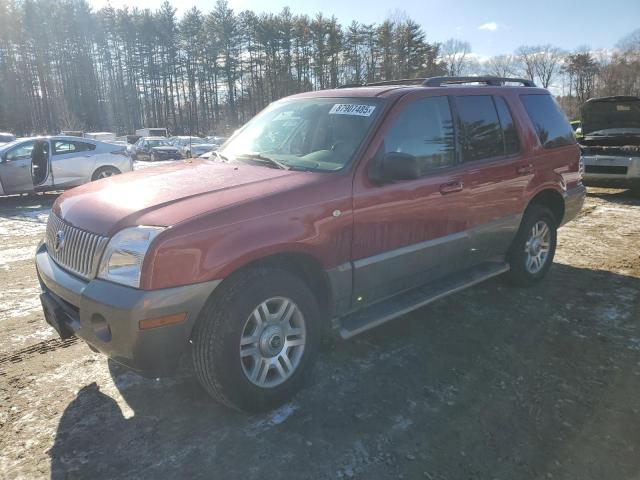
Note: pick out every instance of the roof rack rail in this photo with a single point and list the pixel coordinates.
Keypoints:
(440, 81)
(491, 81)
(402, 81)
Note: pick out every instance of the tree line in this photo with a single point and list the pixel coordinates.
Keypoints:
(64, 66)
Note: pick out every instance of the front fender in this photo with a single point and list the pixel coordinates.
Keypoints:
(214, 253)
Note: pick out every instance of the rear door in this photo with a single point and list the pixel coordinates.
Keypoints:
(410, 232)
(497, 173)
(15, 168)
(72, 162)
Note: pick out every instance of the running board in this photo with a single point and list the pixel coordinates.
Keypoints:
(403, 303)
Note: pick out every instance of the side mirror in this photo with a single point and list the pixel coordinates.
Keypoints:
(398, 166)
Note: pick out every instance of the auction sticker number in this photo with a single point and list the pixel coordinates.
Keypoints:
(352, 109)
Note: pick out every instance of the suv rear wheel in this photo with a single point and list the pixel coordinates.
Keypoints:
(534, 247)
(256, 338)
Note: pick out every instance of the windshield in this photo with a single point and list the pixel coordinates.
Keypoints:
(319, 134)
(159, 143)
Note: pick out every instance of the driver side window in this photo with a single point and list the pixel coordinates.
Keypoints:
(21, 152)
(424, 129)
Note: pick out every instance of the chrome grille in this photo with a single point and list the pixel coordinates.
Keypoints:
(79, 252)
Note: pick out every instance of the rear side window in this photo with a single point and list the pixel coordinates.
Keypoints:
(511, 143)
(551, 124)
(479, 126)
(424, 129)
(60, 147)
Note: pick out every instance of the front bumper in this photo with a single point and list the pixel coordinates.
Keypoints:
(611, 171)
(106, 316)
(573, 202)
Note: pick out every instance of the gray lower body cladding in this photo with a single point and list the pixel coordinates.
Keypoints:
(106, 316)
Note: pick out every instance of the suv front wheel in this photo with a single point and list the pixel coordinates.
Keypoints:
(256, 338)
(534, 247)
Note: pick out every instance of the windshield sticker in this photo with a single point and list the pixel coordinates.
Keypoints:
(623, 108)
(352, 109)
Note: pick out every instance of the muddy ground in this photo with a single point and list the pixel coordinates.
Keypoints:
(493, 383)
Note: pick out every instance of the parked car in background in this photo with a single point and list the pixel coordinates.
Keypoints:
(216, 140)
(101, 136)
(611, 142)
(199, 149)
(184, 144)
(153, 149)
(57, 162)
(72, 133)
(343, 208)
(6, 137)
(152, 132)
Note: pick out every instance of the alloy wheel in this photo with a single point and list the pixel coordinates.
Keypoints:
(537, 247)
(272, 343)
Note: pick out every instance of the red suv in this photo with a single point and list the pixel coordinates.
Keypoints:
(342, 208)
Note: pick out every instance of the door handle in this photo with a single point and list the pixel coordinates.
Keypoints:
(451, 187)
(524, 169)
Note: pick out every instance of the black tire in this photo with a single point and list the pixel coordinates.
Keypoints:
(104, 172)
(217, 334)
(519, 274)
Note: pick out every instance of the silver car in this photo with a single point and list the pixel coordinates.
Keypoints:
(58, 162)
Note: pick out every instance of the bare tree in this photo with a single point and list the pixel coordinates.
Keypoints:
(547, 63)
(502, 66)
(526, 58)
(454, 53)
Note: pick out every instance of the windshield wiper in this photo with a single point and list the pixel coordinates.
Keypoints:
(220, 156)
(261, 158)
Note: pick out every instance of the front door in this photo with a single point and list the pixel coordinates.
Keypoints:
(410, 232)
(15, 168)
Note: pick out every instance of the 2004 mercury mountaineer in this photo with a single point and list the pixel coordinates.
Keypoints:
(345, 207)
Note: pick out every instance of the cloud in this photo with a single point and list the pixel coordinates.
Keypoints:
(491, 26)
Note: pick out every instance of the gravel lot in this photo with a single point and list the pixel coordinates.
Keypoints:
(493, 383)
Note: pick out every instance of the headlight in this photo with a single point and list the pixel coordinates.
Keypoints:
(123, 257)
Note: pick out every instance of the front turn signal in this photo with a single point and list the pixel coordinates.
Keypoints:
(148, 323)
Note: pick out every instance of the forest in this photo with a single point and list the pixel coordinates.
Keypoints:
(64, 66)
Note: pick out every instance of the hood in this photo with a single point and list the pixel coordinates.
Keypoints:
(611, 116)
(170, 194)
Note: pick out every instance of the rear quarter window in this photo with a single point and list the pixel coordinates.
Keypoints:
(551, 124)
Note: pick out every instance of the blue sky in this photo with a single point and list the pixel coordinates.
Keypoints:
(493, 27)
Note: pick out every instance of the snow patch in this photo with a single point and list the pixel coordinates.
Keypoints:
(276, 417)
(17, 302)
(25, 223)
(19, 254)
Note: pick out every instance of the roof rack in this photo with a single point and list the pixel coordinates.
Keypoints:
(441, 81)
(402, 81)
(491, 81)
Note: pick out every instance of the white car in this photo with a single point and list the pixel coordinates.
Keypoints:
(6, 137)
(184, 144)
(58, 162)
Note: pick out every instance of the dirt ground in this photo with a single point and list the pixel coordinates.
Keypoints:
(493, 383)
